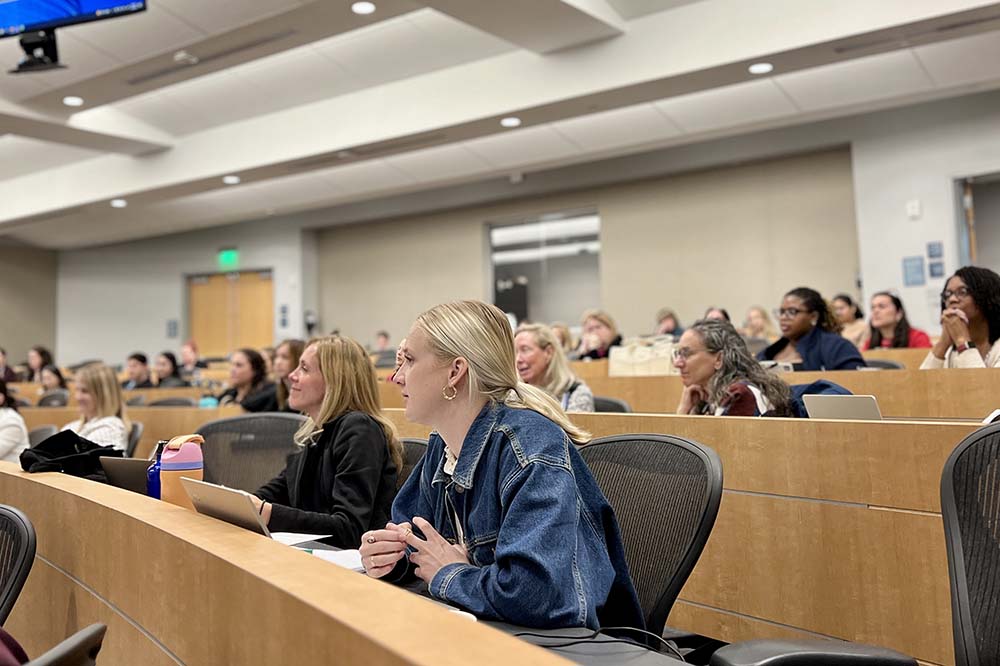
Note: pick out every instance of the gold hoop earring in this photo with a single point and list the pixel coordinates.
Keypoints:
(454, 392)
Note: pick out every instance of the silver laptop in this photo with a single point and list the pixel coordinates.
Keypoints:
(127, 473)
(227, 504)
(854, 407)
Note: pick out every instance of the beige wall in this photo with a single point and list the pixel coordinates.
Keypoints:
(27, 300)
(731, 237)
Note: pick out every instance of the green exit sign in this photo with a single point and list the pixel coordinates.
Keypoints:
(229, 260)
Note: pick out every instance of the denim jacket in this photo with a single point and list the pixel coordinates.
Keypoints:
(820, 350)
(543, 542)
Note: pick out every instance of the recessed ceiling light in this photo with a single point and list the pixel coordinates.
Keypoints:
(363, 8)
(231, 180)
(72, 100)
(118, 203)
(761, 68)
(510, 121)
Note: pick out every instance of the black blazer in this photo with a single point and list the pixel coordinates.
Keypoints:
(343, 484)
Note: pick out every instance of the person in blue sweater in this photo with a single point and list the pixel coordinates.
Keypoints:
(810, 337)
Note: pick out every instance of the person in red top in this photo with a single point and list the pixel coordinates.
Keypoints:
(889, 326)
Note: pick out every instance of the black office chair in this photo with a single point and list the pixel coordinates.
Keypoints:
(40, 434)
(17, 554)
(179, 401)
(413, 450)
(80, 649)
(884, 364)
(247, 451)
(134, 435)
(58, 397)
(665, 492)
(603, 404)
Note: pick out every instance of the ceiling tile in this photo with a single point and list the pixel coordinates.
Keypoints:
(739, 104)
(368, 176)
(962, 61)
(440, 163)
(852, 82)
(161, 110)
(627, 126)
(21, 155)
(218, 16)
(461, 41)
(216, 99)
(18, 88)
(523, 147)
(139, 36)
(296, 77)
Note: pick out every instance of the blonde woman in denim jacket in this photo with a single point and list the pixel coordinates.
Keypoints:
(502, 516)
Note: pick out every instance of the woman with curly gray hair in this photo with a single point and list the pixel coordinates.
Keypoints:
(721, 377)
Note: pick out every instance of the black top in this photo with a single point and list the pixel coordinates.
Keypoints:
(173, 381)
(258, 400)
(130, 385)
(343, 484)
(602, 353)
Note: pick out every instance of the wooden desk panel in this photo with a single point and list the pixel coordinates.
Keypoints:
(910, 358)
(212, 593)
(32, 392)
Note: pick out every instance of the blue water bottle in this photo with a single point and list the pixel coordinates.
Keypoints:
(153, 472)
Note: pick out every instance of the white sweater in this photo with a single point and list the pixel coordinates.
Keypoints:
(13, 435)
(105, 431)
(970, 358)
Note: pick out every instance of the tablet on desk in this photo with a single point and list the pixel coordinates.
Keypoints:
(854, 407)
(127, 473)
(228, 504)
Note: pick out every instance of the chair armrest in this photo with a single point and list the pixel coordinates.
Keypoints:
(807, 653)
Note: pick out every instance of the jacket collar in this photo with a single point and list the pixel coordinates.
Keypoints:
(472, 447)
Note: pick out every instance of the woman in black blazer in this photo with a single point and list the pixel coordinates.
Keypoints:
(343, 480)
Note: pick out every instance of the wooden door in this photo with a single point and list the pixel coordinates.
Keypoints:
(255, 310)
(227, 311)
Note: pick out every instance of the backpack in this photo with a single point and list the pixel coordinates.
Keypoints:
(820, 386)
(68, 452)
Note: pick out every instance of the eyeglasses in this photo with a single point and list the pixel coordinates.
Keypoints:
(961, 292)
(789, 312)
(684, 353)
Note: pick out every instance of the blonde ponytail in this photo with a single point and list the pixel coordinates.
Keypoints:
(526, 396)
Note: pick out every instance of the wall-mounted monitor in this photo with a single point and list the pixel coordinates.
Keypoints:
(20, 16)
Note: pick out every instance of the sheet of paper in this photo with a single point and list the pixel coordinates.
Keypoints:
(292, 538)
(349, 559)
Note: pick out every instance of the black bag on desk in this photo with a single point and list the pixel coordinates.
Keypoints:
(67, 452)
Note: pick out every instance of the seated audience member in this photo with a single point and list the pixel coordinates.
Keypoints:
(501, 517)
(13, 431)
(758, 325)
(52, 379)
(102, 409)
(565, 337)
(719, 314)
(137, 368)
(382, 342)
(667, 323)
(267, 353)
(810, 339)
(248, 382)
(889, 326)
(851, 319)
(970, 321)
(190, 363)
(286, 360)
(599, 335)
(38, 358)
(721, 377)
(342, 480)
(541, 362)
(168, 375)
(7, 373)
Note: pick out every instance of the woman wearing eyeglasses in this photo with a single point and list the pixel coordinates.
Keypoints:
(810, 337)
(721, 377)
(970, 321)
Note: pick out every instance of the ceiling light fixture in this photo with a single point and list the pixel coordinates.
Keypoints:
(118, 203)
(759, 68)
(363, 8)
(231, 180)
(72, 100)
(510, 121)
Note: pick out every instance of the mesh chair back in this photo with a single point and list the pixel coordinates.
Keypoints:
(247, 451)
(55, 398)
(970, 505)
(665, 492)
(413, 450)
(604, 404)
(40, 434)
(17, 554)
(80, 649)
(884, 364)
(179, 401)
(133, 438)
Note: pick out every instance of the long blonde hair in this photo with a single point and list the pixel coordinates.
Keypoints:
(557, 377)
(481, 334)
(350, 386)
(101, 382)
